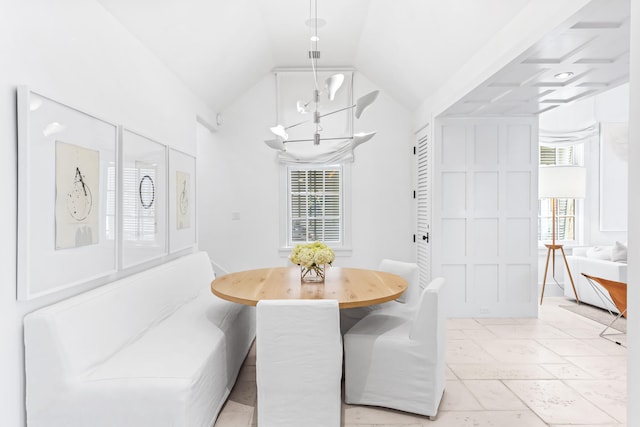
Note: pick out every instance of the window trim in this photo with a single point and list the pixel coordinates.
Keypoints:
(578, 160)
(284, 247)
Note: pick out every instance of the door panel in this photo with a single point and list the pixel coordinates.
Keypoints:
(485, 213)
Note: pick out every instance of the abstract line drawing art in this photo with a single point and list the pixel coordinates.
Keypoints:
(77, 191)
(147, 192)
(182, 198)
(182, 201)
(79, 200)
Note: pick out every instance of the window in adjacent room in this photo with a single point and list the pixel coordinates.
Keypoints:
(315, 205)
(567, 212)
(138, 210)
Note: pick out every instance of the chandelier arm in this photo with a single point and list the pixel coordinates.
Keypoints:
(321, 139)
(337, 111)
(297, 124)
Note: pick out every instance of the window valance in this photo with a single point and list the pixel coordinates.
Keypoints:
(566, 138)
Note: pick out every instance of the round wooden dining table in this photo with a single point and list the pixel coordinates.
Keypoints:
(351, 287)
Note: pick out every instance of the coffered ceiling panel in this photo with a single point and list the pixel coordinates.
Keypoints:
(514, 75)
(525, 94)
(587, 55)
(559, 48)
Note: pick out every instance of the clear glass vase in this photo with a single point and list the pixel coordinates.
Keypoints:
(313, 274)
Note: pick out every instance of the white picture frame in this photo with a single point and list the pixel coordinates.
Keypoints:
(67, 175)
(143, 199)
(182, 201)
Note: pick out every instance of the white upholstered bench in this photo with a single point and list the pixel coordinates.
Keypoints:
(153, 349)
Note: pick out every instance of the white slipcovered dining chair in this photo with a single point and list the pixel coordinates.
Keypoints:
(407, 301)
(398, 361)
(298, 363)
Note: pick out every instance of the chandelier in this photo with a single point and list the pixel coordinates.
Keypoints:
(329, 89)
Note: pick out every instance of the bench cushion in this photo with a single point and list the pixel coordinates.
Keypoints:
(182, 356)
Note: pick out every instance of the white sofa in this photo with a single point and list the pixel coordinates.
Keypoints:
(153, 349)
(594, 261)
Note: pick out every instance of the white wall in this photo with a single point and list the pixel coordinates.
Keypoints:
(242, 177)
(75, 52)
(610, 106)
(633, 368)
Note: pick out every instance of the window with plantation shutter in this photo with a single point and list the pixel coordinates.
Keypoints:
(557, 156)
(315, 205)
(565, 208)
(138, 204)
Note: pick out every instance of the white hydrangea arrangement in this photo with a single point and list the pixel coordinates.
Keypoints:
(312, 257)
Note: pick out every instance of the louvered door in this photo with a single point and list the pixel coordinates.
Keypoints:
(423, 206)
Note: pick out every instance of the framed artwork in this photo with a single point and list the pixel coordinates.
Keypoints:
(143, 199)
(614, 166)
(66, 196)
(182, 198)
(77, 209)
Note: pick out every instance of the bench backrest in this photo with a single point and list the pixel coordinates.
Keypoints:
(78, 333)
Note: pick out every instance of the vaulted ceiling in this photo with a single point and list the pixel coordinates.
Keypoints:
(220, 48)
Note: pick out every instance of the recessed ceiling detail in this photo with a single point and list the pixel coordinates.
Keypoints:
(596, 25)
(593, 46)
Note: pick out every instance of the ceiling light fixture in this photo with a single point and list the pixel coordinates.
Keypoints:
(563, 75)
(331, 87)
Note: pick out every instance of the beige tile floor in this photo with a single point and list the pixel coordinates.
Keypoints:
(551, 371)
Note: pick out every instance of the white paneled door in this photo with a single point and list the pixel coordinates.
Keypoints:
(485, 215)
